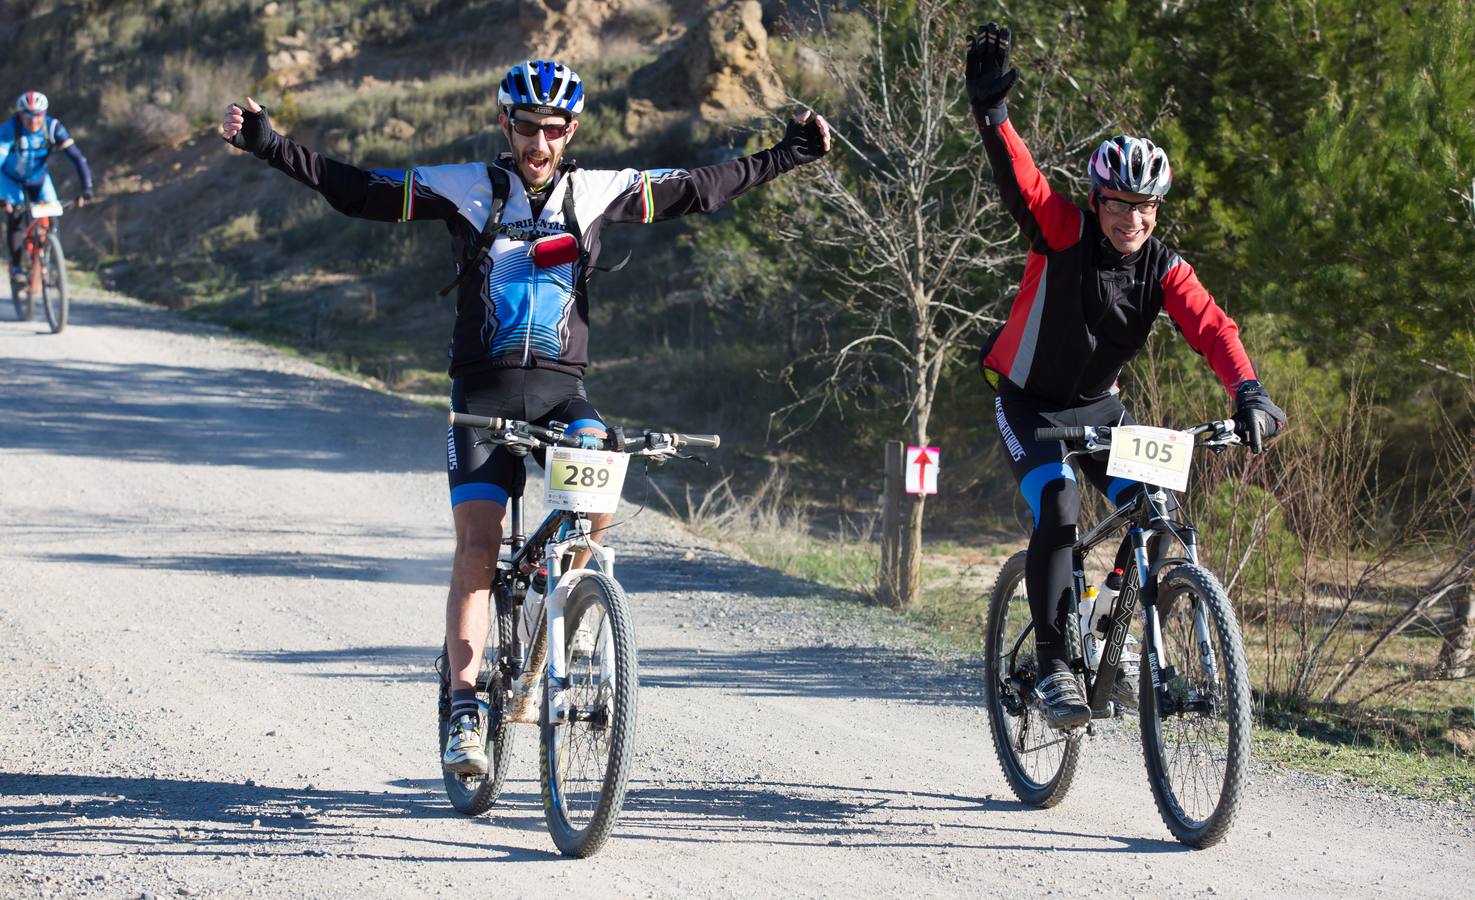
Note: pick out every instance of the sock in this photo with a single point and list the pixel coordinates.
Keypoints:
(464, 702)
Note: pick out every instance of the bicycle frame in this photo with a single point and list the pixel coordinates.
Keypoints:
(1146, 515)
(36, 233)
(540, 653)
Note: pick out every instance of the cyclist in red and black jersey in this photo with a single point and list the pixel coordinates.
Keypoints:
(1095, 280)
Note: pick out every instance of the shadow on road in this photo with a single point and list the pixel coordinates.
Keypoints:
(783, 813)
(663, 569)
(829, 672)
(72, 815)
(337, 566)
(216, 416)
(388, 663)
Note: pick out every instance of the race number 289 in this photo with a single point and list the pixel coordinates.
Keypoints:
(576, 477)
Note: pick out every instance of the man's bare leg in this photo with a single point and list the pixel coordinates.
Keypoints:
(478, 540)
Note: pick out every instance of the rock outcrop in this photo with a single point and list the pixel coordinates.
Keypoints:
(720, 70)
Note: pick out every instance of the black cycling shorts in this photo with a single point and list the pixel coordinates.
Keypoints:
(540, 396)
(1037, 463)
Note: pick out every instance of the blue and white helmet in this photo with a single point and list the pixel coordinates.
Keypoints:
(543, 86)
(1131, 164)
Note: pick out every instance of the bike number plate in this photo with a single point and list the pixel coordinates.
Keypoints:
(1157, 456)
(47, 210)
(585, 480)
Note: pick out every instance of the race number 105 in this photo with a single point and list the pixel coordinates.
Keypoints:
(1158, 456)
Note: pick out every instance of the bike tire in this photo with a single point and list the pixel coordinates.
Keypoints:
(1198, 821)
(1042, 780)
(54, 284)
(473, 795)
(20, 295)
(580, 820)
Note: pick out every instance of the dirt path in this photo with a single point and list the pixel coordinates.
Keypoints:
(221, 584)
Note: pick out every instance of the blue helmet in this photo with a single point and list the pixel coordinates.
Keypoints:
(543, 86)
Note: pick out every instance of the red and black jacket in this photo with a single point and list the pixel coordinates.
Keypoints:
(1083, 310)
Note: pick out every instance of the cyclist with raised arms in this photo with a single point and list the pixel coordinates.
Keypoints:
(27, 140)
(1094, 281)
(524, 232)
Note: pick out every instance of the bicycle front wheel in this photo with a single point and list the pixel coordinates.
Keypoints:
(54, 284)
(586, 758)
(475, 794)
(1038, 761)
(1196, 726)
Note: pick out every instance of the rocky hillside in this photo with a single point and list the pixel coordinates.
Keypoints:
(186, 222)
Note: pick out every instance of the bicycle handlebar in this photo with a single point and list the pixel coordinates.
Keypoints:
(1068, 433)
(652, 440)
(1102, 433)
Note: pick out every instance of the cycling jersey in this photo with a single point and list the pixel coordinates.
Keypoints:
(1083, 309)
(512, 314)
(24, 153)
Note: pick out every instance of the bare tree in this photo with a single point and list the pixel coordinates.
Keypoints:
(903, 234)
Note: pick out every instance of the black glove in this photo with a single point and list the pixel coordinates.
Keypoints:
(988, 76)
(803, 140)
(1255, 415)
(255, 136)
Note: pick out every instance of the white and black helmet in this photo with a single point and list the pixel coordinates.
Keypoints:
(31, 102)
(1131, 164)
(544, 86)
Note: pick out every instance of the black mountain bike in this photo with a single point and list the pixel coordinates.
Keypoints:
(1194, 688)
(560, 651)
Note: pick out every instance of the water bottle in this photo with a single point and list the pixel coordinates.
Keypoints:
(1110, 588)
(1087, 611)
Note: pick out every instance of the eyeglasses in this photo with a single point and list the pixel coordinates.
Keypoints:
(32, 115)
(1147, 208)
(551, 130)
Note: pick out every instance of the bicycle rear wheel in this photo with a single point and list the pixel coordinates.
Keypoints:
(1196, 727)
(1038, 761)
(586, 760)
(475, 794)
(54, 284)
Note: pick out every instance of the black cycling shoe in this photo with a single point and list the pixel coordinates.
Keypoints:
(1062, 702)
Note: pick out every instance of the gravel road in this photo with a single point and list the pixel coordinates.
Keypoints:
(222, 576)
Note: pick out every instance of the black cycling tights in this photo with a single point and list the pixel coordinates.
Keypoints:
(1049, 485)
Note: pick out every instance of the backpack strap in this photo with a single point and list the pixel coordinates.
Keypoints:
(501, 187)
(571, 221)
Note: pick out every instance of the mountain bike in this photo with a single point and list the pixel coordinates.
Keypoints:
(1193, 693)
(561, 647)
(45, 267)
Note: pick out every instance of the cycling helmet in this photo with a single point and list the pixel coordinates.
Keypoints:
(1131, 164)
(31, 102)
(542, 86)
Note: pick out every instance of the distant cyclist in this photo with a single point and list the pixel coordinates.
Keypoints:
(1095, 280)
(27, 141)
(524, 232)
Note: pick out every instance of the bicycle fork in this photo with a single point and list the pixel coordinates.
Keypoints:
(547, 661)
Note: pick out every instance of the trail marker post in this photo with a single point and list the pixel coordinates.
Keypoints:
(908, 470)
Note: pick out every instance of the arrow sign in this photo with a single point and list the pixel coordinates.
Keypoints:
(921, 469)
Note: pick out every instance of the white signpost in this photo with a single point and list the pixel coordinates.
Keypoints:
(921, 469)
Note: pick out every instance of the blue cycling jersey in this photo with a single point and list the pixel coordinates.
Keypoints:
(25, 153)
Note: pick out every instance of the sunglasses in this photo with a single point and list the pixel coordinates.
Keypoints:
(32, 115)
(551, 130)
(1123, 207)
